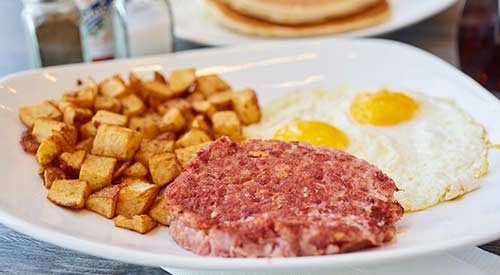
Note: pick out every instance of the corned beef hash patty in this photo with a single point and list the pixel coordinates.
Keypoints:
(268, 198)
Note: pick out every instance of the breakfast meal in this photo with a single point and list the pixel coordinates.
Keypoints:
(297, 18)
(266, 198)
(112, 147)
(428, 146)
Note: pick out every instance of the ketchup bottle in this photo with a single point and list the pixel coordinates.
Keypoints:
(479, 42)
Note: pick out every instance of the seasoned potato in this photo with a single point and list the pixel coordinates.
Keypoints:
(69, 193)
(192, 137)
(97, 171)
(173, 120)
(136, 170)
(29, 142)
(222, 100)
(51, 174)
(210, 84)
(204, 107)
(158, 210)
(139, 223)
(104, 201)
(43, 129)
(107, 103)
(157, 76)
(105, 117)
(122, 166)
(150, 148)
(83, 98)
(85, 145)
(71, 163)
(136, 198)
(161, 90)
(199, 122)
(180, 80)
(147, 125)
(88, 130)
(164, 168)
(195, 96)
(117, 142)
(184, 155)
(132, 105)
(47, 152)
(246, 106)
(29, 114)
(76, 115)
(113, 87)
(226, 123)
(135, 85)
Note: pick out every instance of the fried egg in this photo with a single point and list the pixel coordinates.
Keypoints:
(432, 149)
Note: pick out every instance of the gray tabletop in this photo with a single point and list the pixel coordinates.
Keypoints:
(20, 254)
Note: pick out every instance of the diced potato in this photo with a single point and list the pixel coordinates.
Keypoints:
(179, 103)
(199, 122)
(121, 167)
(47, 152)
(195, 96)
(184, 155)
(136, 170)
(226, 123)
(104, 201)
(105, 117)
(192, 137)
(51, 174)
(132, 105)
(29, 142)
(97, 171)
(246, 106)
(157, 76)
(164, 168)
(117, 142)
(222, 100)
(139, 223)
(76, 115)
(181, 80)
(43, 129)
(83, 98)
(150, 148)
(113, 87)
(210, 84)
(204, 107)
(85, 145)
(107, 103)
(135, 85)
(159, 211)
(147, 125)
(161, 90)
(69, 193)
(88, 130)
(173, 120)
(71, 163)
(136, 198)
(29, 114)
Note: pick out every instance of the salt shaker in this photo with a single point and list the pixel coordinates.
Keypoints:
(143, 27)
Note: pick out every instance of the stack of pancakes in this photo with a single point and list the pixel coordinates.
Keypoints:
(298, 18)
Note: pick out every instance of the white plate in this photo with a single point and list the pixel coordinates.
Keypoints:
(193, 23)
(272, 69)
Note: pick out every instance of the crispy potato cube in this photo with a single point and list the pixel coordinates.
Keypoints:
(199, 122)
(51, 174)
(97, 171)
(160, 90)
(76, 115)
(107, 103)
(181, 80)
(157, 76)
(85, 145)
(135, 85)
(184, 155)
(105, 117)
(136, 170)
(173, 120)
(117, 142)
(226, 123)
(83, 98)
(29, 114)
(43, 129)
(150, 148)
(121, 167)
(147, 125)
(139, 223)
(47, 152)
(246, 106)
(204, 107)
(132, 105)
(222, 100)
(29, 142)
(164, 168)
(88, 130)
(195, 96)
(69, 193)
(210, 84)
(136, 198)
(192, 137)
(159, 211)
(113, 87)
(104, 201)
(71, 163)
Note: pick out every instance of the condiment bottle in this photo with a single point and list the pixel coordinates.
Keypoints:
(143, 27)
(52, 29)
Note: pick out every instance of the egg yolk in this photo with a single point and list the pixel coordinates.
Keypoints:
(315, 132)
(383, 108)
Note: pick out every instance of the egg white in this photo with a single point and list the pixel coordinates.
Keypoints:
(436, 156)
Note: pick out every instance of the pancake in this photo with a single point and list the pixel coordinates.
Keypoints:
(297, 11)
(238, 22)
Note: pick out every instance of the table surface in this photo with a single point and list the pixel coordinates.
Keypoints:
(20, 254)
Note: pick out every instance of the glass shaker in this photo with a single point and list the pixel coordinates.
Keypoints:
(52, 30)
(143, 27)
